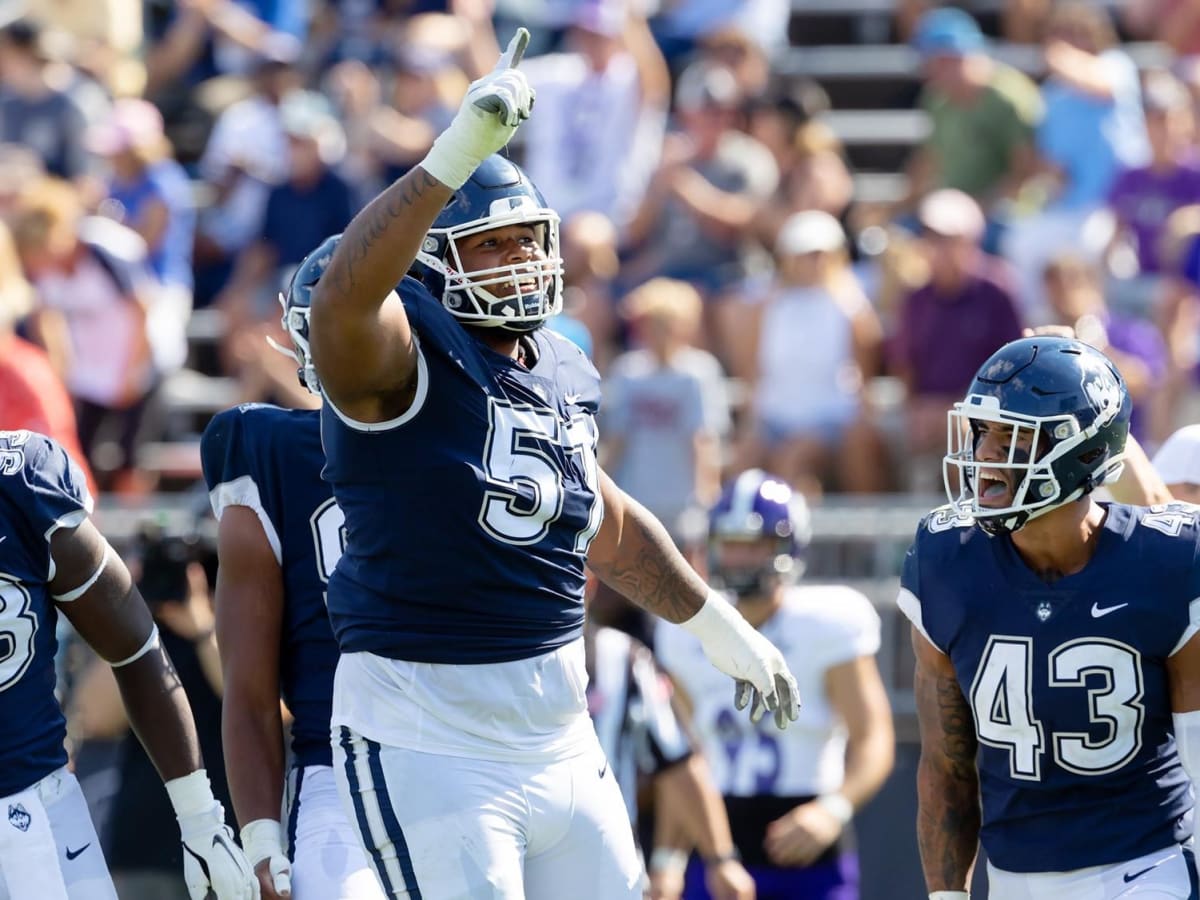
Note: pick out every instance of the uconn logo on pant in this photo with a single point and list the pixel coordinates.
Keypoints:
(18, 817)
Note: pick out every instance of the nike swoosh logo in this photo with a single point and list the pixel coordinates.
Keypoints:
(201, 860)
(71, 854)
(572, 399)
(1098, 611)
(604, 769)
(1129, 878)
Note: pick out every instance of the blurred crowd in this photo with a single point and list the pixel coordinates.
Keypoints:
(165, 165)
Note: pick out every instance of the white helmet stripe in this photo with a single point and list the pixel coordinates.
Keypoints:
(745, 489)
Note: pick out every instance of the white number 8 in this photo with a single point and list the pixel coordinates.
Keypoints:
(18, 625)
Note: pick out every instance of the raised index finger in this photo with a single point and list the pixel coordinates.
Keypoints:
(511, 57)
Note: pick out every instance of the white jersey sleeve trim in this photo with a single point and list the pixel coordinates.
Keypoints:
(78, 592)
(408, 414)
(1192, 627)
(243, 491)
(911, 607)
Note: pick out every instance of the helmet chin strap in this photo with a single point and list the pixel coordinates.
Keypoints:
(1012, 522)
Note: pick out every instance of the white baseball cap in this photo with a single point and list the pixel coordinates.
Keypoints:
(1178, 459)
(951, 213)
(810, 231)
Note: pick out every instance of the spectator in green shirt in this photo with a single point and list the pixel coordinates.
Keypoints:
(983, 115)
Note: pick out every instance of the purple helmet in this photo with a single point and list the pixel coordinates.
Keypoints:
(754, 506)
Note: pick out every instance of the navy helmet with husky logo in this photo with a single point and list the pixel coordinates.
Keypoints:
(1069, 412)
(516, 297)
(297, 305)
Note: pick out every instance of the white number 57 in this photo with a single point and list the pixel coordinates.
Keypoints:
(527, 491)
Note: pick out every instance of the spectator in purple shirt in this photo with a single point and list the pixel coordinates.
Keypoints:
(949, 327)
(1076, 299)
(1143, 198)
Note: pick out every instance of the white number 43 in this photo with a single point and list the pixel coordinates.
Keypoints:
(1002, 701)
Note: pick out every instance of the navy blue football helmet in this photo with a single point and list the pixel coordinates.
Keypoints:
(1069, 412)
(496, 195)
(752, 507)
(297, 305)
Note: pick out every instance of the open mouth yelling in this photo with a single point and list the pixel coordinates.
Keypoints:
(993, 489)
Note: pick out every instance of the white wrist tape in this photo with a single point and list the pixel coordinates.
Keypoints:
(838, 806)
(262, 839)
(191, 794)
(1187, 741)
(668, 859)
(1187, 744)
(950, 895)
(715, 619)
(448, 161)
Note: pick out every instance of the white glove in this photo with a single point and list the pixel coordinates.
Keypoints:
(263, 839)
(737, 649)
(490, 113)
(211, 857)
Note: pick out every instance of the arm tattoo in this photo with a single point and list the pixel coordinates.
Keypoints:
(372, 224)
(948, 816)
(651, 572)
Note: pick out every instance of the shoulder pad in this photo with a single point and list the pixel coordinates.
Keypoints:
(43, 481)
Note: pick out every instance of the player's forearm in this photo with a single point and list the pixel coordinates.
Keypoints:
(639, 560)
(252, 733)
(948, 821)
(380, 244)
(670, 829)
(1140, 482)
(160, 713)
(696, 809)
(869, 761)
(948, 816)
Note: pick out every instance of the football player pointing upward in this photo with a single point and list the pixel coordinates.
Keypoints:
(1058, 667)
(460, 444)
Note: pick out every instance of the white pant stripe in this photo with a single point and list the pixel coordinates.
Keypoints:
(377, 840)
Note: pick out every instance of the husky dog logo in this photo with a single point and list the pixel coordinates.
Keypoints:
(1102, 389)
(18, 817)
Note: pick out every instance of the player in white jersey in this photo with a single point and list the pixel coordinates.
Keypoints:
(789, 796)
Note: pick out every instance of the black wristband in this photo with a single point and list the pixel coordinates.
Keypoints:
(730, 855)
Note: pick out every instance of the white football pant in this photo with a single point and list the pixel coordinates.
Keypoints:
(328, 862)
(457, 828)
(48, 845)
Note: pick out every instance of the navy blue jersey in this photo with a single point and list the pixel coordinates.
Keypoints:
(269, 459)
(1067, 682)
(41, 490)
(469, 517)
